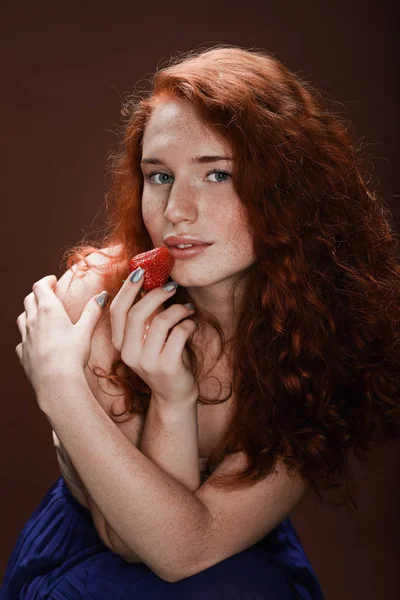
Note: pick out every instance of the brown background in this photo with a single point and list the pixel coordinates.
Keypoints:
(63, 71)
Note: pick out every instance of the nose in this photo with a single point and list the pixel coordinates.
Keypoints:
(182, 203)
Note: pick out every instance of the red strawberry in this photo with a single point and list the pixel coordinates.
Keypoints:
(158, 265)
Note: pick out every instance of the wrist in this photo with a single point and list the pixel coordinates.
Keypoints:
(176, 406)
(53, 385)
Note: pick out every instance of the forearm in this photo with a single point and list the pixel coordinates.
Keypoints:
(107, 533)
(155, 515)
(69, 473)
(80, 493)
(170, 439)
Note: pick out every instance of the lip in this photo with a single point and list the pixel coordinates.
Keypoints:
(185, 253)
(173, 240)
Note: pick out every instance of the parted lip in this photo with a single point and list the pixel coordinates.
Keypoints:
(173, 240)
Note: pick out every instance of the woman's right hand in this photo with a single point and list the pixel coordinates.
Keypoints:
(160, 357)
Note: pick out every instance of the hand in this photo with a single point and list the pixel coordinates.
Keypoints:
(51, 344)
(159, 361)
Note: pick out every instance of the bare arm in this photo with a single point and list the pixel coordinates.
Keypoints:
(74, 297)
(68, 471)
(171, 440)
(156, 516)
(80, 493)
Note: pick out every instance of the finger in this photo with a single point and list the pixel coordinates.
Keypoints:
(44, 291)
(21, 324)
(121, 305)
(159, 329)
(127, 314)
(144, 311)
(91, 314)
(30, 305)
(139, 320)
(173, 349)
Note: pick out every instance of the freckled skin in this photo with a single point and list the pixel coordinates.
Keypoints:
(183, 200)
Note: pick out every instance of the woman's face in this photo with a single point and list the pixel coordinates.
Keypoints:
(182, 197)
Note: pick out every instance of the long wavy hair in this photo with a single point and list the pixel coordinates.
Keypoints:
(315, 355)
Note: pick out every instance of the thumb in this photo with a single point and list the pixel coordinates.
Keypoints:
(92, 312)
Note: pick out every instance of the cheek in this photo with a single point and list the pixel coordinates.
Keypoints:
(145, 216)
(240, 237)
(242, 251)
(237, 224)
(149, 212)
(153, 222)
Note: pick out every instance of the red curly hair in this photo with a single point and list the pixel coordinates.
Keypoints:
(315, 355)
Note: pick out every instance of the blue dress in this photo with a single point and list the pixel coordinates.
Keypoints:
(60, 556)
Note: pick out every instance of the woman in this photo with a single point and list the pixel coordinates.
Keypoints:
(296, 296)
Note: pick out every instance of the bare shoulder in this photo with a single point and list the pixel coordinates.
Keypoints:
(75, 292)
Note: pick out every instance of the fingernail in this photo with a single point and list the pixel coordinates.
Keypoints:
(136, 275)
(190, 306)
(102, 299)
(171, 285)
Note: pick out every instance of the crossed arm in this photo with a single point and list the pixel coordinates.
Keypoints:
(129, 489)
(170, 440)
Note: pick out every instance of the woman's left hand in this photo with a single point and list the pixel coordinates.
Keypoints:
(51, 345)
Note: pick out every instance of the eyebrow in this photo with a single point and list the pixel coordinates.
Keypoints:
(151, 160)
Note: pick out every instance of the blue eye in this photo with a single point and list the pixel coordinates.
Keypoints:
(150, 176)
(220, 172)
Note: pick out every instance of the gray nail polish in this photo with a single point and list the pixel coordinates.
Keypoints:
(102, 299)
(136, 275)
(190, 306)
(171, 285)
